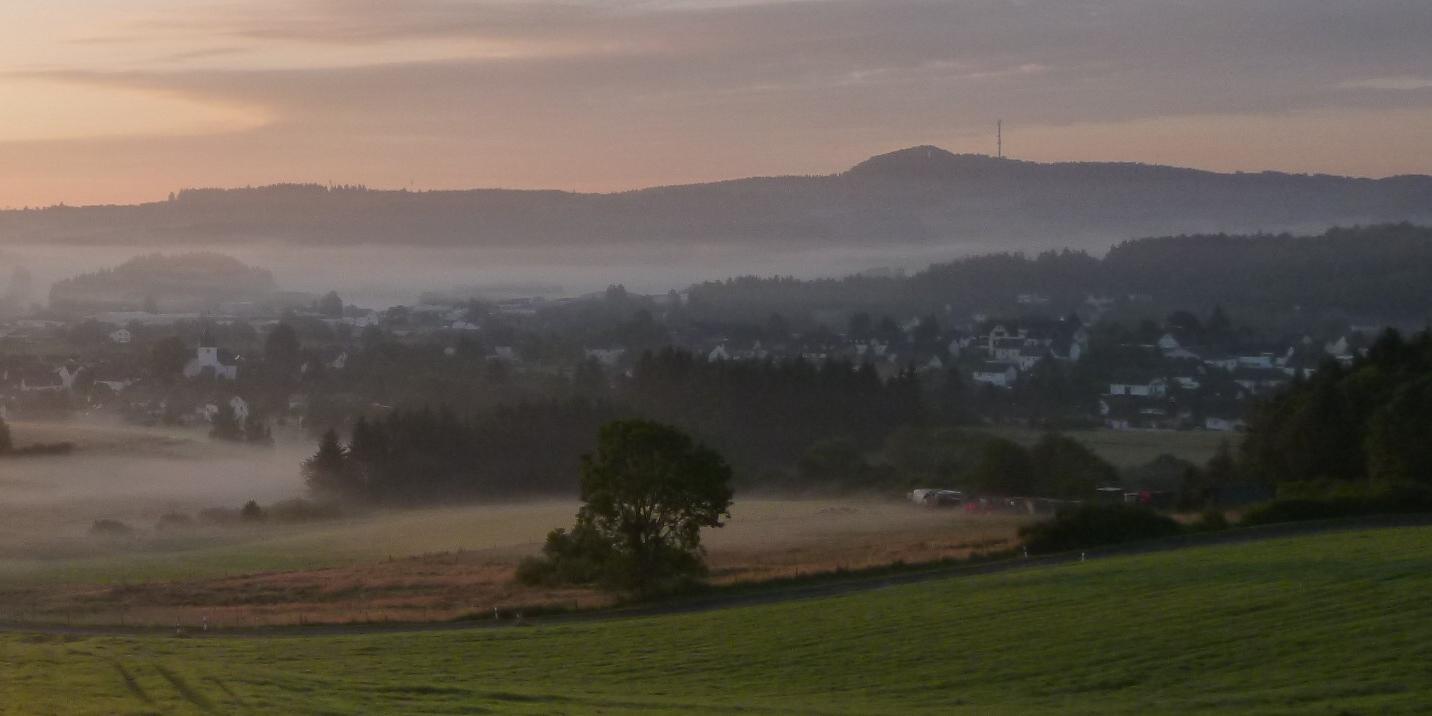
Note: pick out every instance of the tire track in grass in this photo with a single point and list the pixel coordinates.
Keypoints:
(233, 697)
(132, 684)
(188, 692)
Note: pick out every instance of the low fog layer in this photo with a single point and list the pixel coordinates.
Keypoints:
(133, 474)
(378, 277)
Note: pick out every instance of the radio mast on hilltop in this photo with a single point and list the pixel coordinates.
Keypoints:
(999, 138)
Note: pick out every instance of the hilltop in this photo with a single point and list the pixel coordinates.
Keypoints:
(922, 195)
(183, 282)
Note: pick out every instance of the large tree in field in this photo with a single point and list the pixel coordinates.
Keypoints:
(648, 490)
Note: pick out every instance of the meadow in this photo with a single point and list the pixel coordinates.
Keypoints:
(1334, 623)
(385, 566)
(443, 563)
(395, 565)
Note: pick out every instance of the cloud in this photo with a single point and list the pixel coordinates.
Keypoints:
(642, 86)
(1094, 58)
(1404, 83)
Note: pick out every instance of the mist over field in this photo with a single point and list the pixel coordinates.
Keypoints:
(130, 474)
(376, 276)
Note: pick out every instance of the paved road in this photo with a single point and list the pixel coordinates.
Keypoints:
(758, 595)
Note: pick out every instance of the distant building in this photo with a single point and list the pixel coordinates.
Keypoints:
(607, 357)
(1154, 388)
(1224, 424)
(207, 358)
(1000, 375)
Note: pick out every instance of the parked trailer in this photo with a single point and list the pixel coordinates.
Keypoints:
(932, 497)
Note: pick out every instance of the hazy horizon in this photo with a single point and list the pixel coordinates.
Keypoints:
(624, 190)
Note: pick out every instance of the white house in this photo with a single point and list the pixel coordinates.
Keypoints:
(1071, 354)
(206, 357)
(607, 357)
(1156, 388)
(121, 336)
(117, 386)
(755, 352)
(1221, 362)
(998, 375)
(1261, 360)
(64, 379)
(239, 406)
(1006, 349)
(1224, 424)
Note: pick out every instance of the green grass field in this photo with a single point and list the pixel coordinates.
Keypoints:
(1327, 624)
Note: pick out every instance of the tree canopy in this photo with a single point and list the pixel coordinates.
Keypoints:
(1366, 422)
(647, 493)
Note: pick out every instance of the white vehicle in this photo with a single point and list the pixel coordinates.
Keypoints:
(930, 497)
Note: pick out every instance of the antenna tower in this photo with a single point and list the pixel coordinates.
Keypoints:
(999, 138)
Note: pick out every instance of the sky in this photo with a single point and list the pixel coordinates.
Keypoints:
(120, 101)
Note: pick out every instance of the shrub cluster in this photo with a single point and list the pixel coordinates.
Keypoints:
(1096, 525)
(1390, 500)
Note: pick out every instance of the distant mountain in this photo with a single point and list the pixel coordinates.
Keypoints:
(184, 282)
(919, 195)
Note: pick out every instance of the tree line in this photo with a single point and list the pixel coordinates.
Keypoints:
(761, 415)
(1365, 424)
(1345, 273)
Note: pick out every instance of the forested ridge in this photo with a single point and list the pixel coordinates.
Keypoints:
(1354, 273)
(920, 195)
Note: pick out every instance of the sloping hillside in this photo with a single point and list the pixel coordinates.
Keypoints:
(917, 195)
(1334, 623)
(182, 282)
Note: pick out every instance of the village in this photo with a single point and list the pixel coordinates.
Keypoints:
(186, 368)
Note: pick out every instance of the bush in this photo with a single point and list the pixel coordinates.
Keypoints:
(1382, 500)
(251, 512)
(1210, 521)
(576, 557)
(1301, 510)
(647, 493)
(1400, 500)
(1094, 526)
